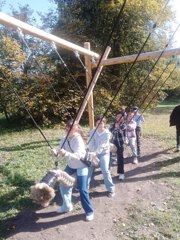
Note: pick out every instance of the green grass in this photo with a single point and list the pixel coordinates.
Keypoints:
(25, 157)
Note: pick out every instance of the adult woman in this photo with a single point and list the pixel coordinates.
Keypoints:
(99, 142)
(73, 149)
(118, 128)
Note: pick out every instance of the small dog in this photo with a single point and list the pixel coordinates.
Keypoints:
(43, 192)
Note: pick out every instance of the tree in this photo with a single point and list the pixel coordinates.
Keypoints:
(43, 80)
(93, 20)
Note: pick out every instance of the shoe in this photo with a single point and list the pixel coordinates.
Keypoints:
(90, 217)
(178, 149)
(135, 160)
(64, 210)
(111, 194)
(121, 177)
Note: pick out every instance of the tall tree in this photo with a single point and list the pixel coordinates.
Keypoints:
(92, 21)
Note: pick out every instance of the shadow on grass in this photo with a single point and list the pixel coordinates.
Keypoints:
(14, 200)
(151, 156)
(29, 222)
(30, 146)
(151, 168)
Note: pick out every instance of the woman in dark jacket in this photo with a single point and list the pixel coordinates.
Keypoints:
(175, 121)
(117, 128)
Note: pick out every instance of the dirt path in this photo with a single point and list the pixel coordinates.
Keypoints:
(139, 188)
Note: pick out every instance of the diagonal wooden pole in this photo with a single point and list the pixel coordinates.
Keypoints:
(92, 85)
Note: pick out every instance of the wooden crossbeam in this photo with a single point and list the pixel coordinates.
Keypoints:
(142, 57)
(26, 28)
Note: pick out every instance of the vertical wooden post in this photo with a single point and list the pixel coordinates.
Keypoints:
(88, 79)
(92, 85)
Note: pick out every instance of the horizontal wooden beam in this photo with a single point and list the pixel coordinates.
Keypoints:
(142, 57)
(26, 28)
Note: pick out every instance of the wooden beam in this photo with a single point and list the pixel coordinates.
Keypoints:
(26, 28)
(91, 86)
(88, 80)
(142, 57)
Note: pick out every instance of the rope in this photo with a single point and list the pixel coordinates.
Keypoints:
(99, 62)
(127, 74)
(158, 79)
(68, 70)
(150, 91)
(65, 65)
(54, 90)
(135, 95)
(160, 88)
(27, 110)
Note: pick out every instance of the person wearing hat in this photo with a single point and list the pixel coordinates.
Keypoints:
(138, 118)
(175, 121)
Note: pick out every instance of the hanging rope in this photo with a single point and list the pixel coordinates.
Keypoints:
(69, 72)
(153, 86)
(160, 88)
(65, 65)
(27, 110)
(42, 71)
(78, 57)
(130, 69)
(98, 65)
(150, 90)
(140, 51)
(140, 87)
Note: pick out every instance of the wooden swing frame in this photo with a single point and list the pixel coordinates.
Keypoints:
(88, 55)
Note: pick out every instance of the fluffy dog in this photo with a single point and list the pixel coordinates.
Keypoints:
(43, 192)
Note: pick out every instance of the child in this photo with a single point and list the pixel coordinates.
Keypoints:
(74, 149)
(138, 118)
(131, 135)
(99, 142)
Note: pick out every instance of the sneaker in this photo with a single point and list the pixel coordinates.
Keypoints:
(121, 177)
(90, 217)
(64, 210)
(135, 160)
(111, 194)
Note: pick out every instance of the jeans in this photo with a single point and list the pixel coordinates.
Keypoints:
(138, 140)
(178, 135)
(66, 192)
(132, 144)
(120, 160)
(104, 165)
